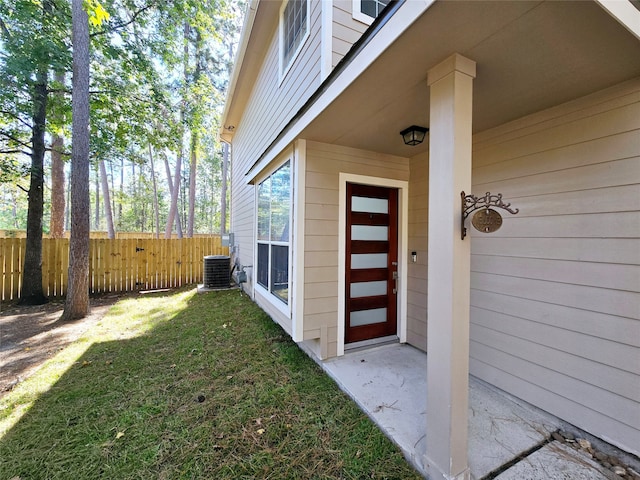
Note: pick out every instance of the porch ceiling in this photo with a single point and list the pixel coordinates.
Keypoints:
(530, 56)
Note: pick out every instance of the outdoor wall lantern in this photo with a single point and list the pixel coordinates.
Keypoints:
(414, 135)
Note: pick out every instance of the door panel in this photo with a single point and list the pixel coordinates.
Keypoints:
(361, 261)
(368, 289)
(371, 262)
(369, 232)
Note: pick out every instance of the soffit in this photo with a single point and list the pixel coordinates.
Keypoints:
(260, 35)
(530, 56)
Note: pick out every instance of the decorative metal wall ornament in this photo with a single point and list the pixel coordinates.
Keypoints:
(485, 219)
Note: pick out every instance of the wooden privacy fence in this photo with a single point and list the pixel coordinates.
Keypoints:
(120, 265)
(98, 234)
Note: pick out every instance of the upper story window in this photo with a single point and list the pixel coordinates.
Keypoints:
(367, 10)
(294, 29)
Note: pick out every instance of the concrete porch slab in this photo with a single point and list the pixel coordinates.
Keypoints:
(389, 383)
(559, 462)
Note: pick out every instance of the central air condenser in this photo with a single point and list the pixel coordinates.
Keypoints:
(217, 273)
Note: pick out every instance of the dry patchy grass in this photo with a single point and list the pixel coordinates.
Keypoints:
(188, 386)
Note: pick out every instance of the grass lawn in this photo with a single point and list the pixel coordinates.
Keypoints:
(191, 386)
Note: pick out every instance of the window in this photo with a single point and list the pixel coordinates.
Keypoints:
(294, 27)
(367, 10)
(274, 207)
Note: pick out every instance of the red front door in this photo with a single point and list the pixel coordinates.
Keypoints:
(371, 263)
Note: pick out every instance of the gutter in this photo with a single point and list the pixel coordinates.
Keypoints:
(353, 52)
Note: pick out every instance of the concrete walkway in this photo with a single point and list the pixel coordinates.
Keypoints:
(389, 383)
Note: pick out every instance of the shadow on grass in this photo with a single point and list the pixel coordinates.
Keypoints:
(29, 335)
(213, 390)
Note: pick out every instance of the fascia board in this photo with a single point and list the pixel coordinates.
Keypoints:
(247, 27)
(397, 24)
(624, 12)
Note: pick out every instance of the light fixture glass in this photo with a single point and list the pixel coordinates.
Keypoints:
(414, 135)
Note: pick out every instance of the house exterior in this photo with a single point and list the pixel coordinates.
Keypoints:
(348, 235)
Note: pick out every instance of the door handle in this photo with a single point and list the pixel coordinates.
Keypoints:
(395, 279)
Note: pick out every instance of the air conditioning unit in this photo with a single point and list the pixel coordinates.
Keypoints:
(217, 271)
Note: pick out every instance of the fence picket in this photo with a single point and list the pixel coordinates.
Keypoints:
(18, 263)
(5, 265)
(117, 265)
(64, 265)
(143, 264)
(127, 264)
(161, 270)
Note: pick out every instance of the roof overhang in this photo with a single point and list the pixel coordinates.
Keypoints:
(261, 18)
(625, 12)
(530, 55)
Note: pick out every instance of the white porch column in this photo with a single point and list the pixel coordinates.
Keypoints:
(451, 84)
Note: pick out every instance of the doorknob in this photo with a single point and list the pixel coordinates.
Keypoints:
(395, 279)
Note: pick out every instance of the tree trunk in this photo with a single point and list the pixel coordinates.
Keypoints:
(77, 301)
(112, 189)
(223, 190)
(174, 187)
(155, 193)
(192, 184)
(67, 209)
(96, 221)
(32, 291)
(194, 142)
(56, 223)
(107, 200)
(14, 210)
(175, 192)
(121, 196)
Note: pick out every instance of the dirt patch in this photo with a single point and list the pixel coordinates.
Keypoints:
(29, 335)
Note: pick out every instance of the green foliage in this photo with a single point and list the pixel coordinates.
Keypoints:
(144, 89)
(13, 208)
(33, 34)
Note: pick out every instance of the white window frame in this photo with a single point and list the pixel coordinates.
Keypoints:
(284, 69)
(356, 13)
(276, 301)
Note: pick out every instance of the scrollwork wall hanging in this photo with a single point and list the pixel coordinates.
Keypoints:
(485, 219)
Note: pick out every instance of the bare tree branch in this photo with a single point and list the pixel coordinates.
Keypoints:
(66, 153)
(59, 90)
(16, 117)
(118, 26)
(15, 139)
(4, 29)
(7, 152)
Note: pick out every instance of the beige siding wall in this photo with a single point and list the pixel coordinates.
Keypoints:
(270, 107)
(324, 165)
(268, 305)
(346, 30)
(555, 303)
(417, 272)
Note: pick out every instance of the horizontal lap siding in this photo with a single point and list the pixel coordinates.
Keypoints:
(324, 164)
(267, 304)
(417, 272)
(346, 31)
(271, 106)
(555, 300)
